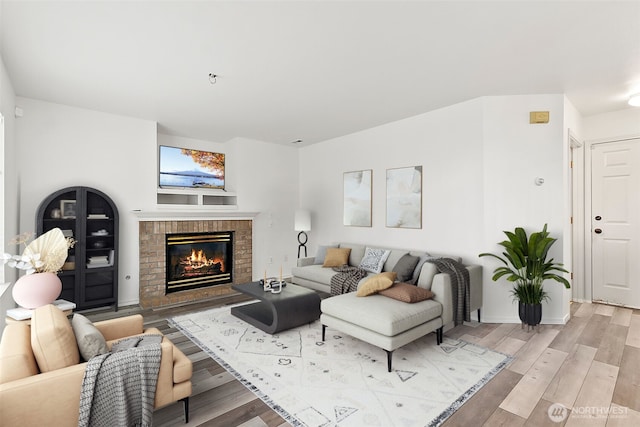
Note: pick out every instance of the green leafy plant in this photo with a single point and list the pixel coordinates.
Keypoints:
(525, 264)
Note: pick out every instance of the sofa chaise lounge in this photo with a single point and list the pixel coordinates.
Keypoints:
(385, 322)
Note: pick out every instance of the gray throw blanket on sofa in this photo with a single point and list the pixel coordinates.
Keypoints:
(460, 282)
(346, 280)
(118, 388)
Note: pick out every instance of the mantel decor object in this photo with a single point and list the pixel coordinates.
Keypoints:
(270, 284)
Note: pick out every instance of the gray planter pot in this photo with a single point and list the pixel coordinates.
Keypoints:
(530, 314)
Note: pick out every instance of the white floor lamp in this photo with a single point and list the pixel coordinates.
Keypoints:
(302, 224)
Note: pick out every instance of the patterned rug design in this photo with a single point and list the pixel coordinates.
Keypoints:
(343, 381)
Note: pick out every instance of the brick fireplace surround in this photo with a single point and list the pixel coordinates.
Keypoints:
(153, 259)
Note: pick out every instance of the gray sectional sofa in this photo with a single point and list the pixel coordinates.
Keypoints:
(385, 322)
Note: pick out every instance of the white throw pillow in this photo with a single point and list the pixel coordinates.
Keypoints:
(374, 259)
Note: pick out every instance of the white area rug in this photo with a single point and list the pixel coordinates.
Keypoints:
(344, 381)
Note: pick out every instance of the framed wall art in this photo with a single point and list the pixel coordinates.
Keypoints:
(68, 208)
(404, 197)
(357, 198)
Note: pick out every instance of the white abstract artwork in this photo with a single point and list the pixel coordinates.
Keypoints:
(404, 197)
(357, 198)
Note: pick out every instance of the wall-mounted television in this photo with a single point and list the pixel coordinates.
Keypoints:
(188, 168)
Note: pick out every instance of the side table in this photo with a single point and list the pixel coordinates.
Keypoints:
(20, 314)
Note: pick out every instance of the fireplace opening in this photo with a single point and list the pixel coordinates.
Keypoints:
(196, 260)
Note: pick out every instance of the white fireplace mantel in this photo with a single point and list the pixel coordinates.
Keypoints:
(191, 215)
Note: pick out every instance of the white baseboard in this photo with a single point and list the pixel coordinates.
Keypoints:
(130, 302)
(514, 319)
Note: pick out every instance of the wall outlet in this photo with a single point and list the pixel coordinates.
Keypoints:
(270, 260)
(286, 258)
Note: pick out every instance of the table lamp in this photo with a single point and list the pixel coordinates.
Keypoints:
(302, 224)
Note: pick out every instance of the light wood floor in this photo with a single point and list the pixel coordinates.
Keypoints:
(591, 364)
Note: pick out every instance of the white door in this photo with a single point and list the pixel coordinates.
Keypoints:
(615, 222)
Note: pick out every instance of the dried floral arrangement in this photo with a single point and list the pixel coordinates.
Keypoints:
(45, 254)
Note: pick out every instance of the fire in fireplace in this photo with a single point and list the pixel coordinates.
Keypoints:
(195, 260)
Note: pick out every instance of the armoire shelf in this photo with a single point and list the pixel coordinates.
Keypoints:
(91, 218)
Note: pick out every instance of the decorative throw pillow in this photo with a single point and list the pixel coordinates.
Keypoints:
(336, 257)
(405, 267)
(376, 283)
(406, 292)
(16, 357)
(52, 339)
(90, 341)
(416, 272)
(374, 259)
(322, 254)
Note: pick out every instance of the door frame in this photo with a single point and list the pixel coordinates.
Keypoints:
(577, 152)
(583, 291)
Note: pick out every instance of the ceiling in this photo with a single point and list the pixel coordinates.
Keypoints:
(314, 70)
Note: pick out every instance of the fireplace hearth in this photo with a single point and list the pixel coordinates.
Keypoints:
(153, 258)
(196, 260)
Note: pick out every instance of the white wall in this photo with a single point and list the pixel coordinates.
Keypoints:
(515, 154)
(447, 143)
(267, 182)
(9, 227)
(479, 158)
(609, 126)
(9, 191)
(61, 146)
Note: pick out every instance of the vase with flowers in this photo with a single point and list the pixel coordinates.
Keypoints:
(41, 260)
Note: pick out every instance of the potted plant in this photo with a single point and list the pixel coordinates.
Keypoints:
(526, 264)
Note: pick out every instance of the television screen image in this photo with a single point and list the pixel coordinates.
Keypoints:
(187, 168)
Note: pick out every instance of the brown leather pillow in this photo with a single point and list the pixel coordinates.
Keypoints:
(406, 292)
(336, 257)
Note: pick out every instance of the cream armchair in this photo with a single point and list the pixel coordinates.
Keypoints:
(41, 374)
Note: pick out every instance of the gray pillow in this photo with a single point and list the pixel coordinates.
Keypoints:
(416, 273)
(405, 267)
(322, 253)
(90, 341)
